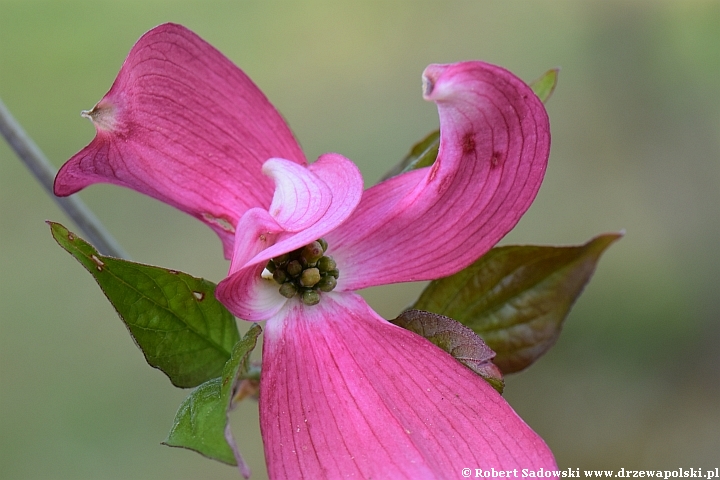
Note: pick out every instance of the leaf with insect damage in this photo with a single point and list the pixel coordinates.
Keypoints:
(173, 317)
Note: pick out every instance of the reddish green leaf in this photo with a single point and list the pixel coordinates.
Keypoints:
(457, 340)
(422, 154)
(173, 317)
(517, 297)
(201, 423)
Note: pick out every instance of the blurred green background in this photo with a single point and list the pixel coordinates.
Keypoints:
(634, 381)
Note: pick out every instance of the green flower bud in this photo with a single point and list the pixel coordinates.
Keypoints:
(334, 272)
(288, 290)
(281, 259)
(326, 284)
(312, 252)
(325, 264)
(279, 276)
(310, 277)
(323, 244)
(310, 297)
(294, 268)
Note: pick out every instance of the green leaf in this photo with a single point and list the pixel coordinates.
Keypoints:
(424, 153)
(457, 340)
(201, 423)
(517, 297)
(173, 317)
(545, 85)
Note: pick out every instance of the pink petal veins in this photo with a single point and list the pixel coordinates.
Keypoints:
(303, 201)
(244, 292)
(300, 199)
(429, 223)
(340, 180)
(184, 125)
(249, 296)
(345, 393)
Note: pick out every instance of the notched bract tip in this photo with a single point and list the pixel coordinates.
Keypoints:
(102, 115)
(427, 86)
(430, 77)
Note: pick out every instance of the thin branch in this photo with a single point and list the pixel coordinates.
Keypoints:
(44, 172)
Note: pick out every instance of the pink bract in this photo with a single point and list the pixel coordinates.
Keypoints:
(343, 392)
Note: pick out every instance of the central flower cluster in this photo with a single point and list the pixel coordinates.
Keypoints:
(306, 272)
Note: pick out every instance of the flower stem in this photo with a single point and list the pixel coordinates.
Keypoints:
(44, 172)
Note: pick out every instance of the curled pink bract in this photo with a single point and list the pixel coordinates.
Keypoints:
(183, 124)
(343, 392)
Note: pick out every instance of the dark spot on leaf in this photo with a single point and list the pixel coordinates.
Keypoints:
(173, 272)
(468, 143)
(200, 296)
(71, 237)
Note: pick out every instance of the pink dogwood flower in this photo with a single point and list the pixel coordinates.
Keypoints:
(343, 391)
